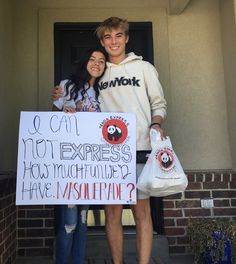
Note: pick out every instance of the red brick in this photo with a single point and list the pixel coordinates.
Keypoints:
(174, 196)
(38, 252)
(221, 203)
(190, 177)
(215, 185)
(199, 177)
(2, 246)
(49, 223)
(233, 202)
(208, 177)
(49, 242)
(28, 243)
(172, 213)
(197, 194)
(233, 176)
(217, 178)
(224, 211)
(6, 257)
(168, 204)
(169, 222)
(40, 232)
(174, 231)
(13, 234)
(197, 212)
(29, 223)
(233, 185)
(21, 233)
(226, 177)
(9, 210)
(194, 186)
(40, 214)
(6, 232)
(5, 202)
(21, 213)
(2, 225)
(187, 203)
(224, 194)
(182, 221)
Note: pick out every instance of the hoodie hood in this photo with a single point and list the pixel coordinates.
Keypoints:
(130, 57)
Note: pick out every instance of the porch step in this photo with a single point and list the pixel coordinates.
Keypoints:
(181, 259)
(39, 260)
(97, 247)
(97, 251)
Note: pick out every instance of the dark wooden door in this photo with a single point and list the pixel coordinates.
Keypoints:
(70, 41)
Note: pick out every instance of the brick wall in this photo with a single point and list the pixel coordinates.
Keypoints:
(35, 224)
(219, 185)
(7, 218)
(35, 230)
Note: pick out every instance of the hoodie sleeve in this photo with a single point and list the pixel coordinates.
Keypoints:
(154, 91)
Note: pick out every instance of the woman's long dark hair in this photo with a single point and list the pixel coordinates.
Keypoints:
(81, 77)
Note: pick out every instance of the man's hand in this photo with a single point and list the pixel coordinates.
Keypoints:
(160, 130)
(156, 124)
(57, 92)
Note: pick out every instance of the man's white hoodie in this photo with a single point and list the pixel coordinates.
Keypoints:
(133, 87)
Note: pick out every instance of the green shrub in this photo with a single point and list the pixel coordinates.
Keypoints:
(201, 232)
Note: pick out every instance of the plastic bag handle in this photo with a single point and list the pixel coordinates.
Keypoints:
(155, 136)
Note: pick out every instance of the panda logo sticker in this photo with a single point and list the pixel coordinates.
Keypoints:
(165, 158)
(114, 131)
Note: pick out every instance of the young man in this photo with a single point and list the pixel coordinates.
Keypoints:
(130, 85)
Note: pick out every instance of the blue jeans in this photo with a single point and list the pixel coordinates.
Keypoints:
(71, 233)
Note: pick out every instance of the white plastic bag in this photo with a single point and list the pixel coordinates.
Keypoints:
(162, 174)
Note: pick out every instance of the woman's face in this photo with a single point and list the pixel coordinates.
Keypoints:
(96, 64)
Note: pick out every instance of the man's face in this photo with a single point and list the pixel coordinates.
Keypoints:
(114, 42)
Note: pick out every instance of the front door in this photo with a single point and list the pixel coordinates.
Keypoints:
(70, 40)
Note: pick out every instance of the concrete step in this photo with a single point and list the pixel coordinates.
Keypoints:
(181, 259)
(98, 252)
(97, 247)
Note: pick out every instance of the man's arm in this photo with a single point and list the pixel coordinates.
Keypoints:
(156, 98)
(57, 92)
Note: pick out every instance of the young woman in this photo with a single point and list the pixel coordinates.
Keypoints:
(80, 93)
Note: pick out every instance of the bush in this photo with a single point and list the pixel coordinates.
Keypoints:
(212, 241)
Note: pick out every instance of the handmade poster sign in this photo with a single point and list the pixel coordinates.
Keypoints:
(82, 158)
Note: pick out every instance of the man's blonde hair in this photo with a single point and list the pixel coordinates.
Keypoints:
(110, 23)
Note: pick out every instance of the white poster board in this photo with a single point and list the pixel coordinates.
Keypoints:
(82, 158)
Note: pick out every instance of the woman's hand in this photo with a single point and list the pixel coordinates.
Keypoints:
(69, 110)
